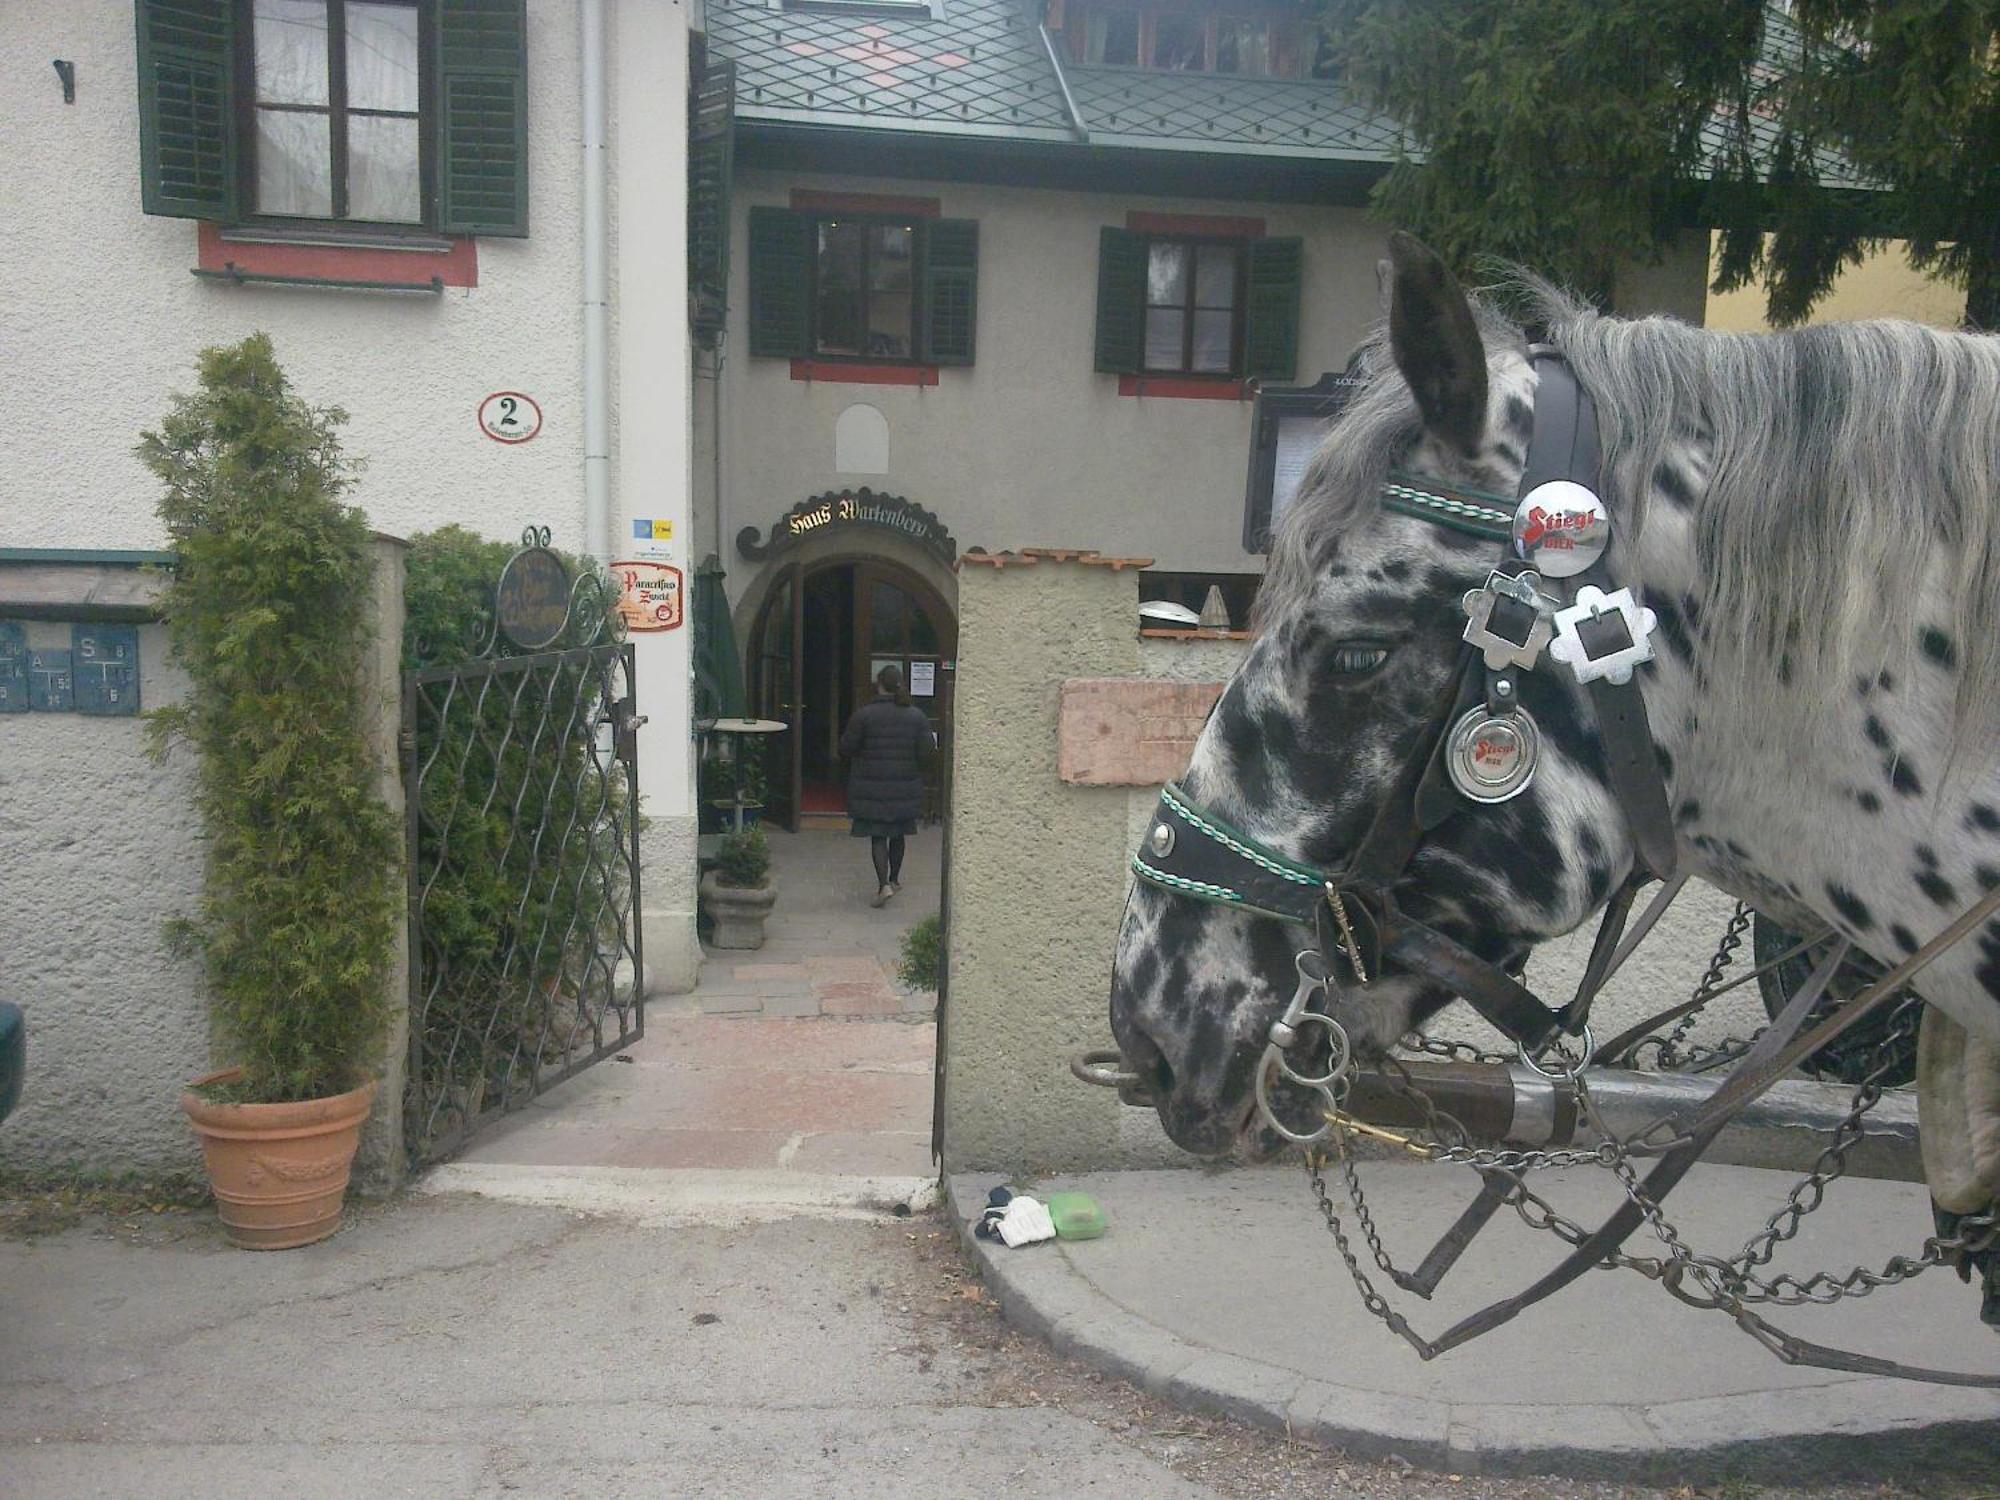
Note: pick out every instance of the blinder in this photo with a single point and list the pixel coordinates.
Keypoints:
(1481, 747)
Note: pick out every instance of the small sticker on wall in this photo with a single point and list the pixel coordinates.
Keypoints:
(510, 417)
(652, 539)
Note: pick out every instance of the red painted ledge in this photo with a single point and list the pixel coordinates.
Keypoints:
(456, 266)
(858, 373)
(1196, 226)
(807, 200)
(1185, 388)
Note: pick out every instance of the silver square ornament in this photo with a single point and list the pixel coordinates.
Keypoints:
(1613, 665)
(1500, 652)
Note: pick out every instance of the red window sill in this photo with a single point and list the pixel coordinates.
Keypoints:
(855, 372)
(360, 265)
(1185, 388)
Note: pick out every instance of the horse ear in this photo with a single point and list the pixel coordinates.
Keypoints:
(1436, 343)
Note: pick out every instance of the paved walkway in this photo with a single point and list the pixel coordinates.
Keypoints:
(1224, 1291)
(827, 951)
(802, 1068)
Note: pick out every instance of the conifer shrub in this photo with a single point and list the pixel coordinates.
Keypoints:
(743, 860)
(268, 612)
(922, 967)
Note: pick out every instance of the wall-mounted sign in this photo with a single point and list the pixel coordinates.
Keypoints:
(652, 539)
(651, 595)
(13, 668)
(923, 679)
(1285, 433)
(105, 662)
(509, 417)
(842, 510)
(532, 599)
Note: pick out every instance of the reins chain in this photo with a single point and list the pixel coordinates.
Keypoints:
(1705, 1281)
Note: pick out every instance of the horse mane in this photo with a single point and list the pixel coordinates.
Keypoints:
(1853, 497)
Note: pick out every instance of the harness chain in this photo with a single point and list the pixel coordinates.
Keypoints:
(1729, 1285)
(1669, 1054)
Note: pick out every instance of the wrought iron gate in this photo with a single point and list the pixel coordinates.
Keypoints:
(521, 780)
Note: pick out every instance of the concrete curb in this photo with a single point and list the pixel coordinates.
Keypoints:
(687, 1195)
(1871, 1430)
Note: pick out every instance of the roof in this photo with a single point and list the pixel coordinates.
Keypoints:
(984, 68)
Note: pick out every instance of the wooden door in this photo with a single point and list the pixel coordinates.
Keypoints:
(779, 693)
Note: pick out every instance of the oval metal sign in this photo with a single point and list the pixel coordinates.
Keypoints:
(531, 603)
(510, 417)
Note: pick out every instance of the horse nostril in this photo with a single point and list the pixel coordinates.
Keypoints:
(1146, 1060)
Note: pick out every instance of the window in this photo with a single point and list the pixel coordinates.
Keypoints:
(864, 303)
(1193, 297)
(1180, 44)
(849, 284)
(387, 114)
(1185, 39)
(1111, 38)
(336, 96)
(1209, 300)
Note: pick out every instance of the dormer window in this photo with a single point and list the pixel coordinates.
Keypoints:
(1256, 42)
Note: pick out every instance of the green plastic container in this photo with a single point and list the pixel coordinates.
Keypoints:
(1076, 1215)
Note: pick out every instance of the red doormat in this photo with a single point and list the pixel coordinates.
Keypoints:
(822, 797)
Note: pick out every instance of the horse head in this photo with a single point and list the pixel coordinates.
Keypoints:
(1359, 644)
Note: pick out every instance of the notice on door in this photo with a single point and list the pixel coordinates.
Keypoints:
(650, 596)
(923, 679)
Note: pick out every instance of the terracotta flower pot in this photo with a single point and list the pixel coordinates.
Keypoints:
(279, 1171)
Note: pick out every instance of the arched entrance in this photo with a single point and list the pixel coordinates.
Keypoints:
(824, 630)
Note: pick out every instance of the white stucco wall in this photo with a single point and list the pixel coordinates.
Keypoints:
(101, 319)
(1029, 446)
(96, 844)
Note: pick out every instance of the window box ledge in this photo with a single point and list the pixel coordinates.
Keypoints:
(330, 259)
(1186, 387)
(859, 372)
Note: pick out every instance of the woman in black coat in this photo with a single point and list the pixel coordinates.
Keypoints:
(886, 746)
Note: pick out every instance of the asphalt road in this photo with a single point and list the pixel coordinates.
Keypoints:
(461, 1347)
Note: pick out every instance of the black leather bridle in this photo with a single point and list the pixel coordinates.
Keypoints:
(1514, 625)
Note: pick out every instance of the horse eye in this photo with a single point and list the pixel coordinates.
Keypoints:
(1358, 659)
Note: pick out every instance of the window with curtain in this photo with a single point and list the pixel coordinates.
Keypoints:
(864, 289)
(1185, 39)
(1193, 296)
(338, 105)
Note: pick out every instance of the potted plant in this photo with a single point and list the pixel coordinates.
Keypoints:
(268, 613)
(738, 891)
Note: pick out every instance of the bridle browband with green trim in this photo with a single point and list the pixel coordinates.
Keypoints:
(1193, 853)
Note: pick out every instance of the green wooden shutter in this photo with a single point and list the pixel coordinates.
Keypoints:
(780, 283)
(187, 108)
(1121, 301)
(711, 164)
(482, 106)
(1271, 310)
(951, 290)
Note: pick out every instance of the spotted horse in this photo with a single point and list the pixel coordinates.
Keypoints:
(1551, 621)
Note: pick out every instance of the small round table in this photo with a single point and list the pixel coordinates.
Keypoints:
(742, 727)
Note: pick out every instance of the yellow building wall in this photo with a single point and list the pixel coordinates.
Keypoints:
(1882, 286)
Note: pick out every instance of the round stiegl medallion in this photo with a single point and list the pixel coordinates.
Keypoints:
(1561, 527)
(1491, 757)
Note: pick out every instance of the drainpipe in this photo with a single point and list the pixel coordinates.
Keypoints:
(596, 296)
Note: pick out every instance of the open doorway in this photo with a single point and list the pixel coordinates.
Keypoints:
(820, 638)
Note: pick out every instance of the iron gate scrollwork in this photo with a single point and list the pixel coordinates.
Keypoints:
(521, 781)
